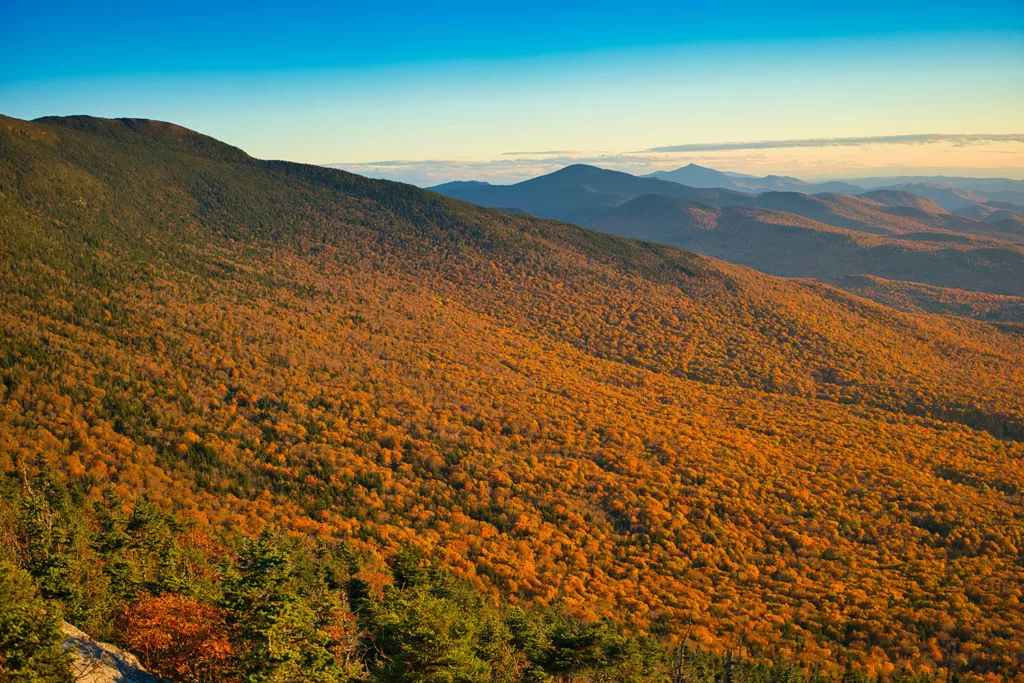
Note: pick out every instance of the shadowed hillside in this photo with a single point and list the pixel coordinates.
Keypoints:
(898, 198)
(561, 417)
(783, 243)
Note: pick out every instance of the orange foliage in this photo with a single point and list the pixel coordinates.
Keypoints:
(618, 427)
(178, 638)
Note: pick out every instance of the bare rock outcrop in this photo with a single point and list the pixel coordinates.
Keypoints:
(95, 662)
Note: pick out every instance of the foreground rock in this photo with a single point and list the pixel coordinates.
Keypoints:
(94, 662)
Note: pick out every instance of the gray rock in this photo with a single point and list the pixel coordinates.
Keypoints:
(95, 662)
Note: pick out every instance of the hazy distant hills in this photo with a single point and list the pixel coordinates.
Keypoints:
(952, 193)
(886, 212)
(886, 233)
(701, 176)
(578, 193)
(993, 211)
(903, 199)
(964, 183)
(949, 198)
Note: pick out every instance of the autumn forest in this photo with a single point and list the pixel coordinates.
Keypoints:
(311, 426)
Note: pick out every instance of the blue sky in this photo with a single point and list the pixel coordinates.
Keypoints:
(449, 91)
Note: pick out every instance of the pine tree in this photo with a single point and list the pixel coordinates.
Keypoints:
(30, 635)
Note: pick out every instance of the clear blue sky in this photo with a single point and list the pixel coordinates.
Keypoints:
(469, 82)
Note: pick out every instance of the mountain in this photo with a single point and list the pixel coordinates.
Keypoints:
(979, 185)
(459, 185)
(581, 194)
(794, 235)
(783, 243)
(560, 418)
(775, 182)
(903, 199)
(577, 192)
(700, 176)
(949, 198)
(844, 211)
(885, 212)
(992, 211)
(951, 193)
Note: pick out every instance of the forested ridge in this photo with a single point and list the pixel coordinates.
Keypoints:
(563, 420)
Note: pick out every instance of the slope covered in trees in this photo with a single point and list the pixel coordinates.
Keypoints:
(560, 416)
(194, 604)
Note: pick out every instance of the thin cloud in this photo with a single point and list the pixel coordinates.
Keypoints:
(511, 167)
(545, 153)
(506, 169)
(918, 139)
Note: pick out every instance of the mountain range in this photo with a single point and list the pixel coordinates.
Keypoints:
(898, 238)
(701, 176)
(608, 428)
(952, 193)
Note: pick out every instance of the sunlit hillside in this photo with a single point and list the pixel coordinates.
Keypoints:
(561, 416)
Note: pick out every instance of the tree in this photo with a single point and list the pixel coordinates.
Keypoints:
(30, 637)
(276, 630)
(424, 629)
(179, 638)
(54, 547)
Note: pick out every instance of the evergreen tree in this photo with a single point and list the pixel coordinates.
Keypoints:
(30, 637)
(424, 629)
(277, 629)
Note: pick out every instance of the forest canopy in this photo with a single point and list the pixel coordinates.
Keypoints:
(640, 441)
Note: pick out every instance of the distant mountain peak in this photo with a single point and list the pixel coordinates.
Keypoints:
(577, 169)
(458, 184)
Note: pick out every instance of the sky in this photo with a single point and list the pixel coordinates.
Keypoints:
(429, 93)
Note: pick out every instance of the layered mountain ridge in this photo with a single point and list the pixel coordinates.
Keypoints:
(789, 233)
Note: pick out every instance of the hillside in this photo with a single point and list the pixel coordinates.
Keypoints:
(912, 296)
(560, 416)
(976, 189)
(847, 211)
(992, 211)
(583, 194)
(783, 243)
(899, 198)
(884, 212)
(952, 193)
(949, 198)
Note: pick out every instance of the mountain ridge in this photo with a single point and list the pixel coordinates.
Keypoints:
(916, 240)
(701, 176)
